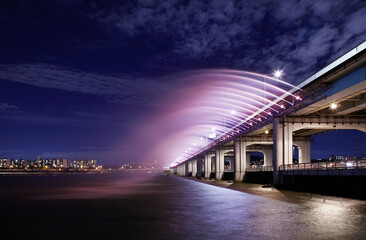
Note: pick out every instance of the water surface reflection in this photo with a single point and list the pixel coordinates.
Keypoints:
(135, 206)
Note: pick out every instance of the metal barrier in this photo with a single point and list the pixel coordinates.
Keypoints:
(260, 169)
(347, 164)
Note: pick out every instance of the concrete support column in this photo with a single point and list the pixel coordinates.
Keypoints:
(307, 152)
(190, 167)
(194, 167)
(182, 169)
(268, 157)
(247, 158)
(288, 148)
(219, 154)
(304, 151)
(207, 165)
(277, 149)
(238, 161)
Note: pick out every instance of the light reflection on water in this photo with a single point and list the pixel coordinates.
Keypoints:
(212, 212)
(166, 207)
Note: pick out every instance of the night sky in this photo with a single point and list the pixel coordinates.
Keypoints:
(79, 79)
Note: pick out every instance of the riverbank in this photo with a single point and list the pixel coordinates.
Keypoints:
(284, 195)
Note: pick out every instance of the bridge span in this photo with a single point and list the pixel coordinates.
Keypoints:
(332, 98)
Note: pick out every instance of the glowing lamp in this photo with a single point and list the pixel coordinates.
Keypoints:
(277, 73)
(333, 106)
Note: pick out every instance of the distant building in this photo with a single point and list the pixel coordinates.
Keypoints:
(4, 163)
(85, 164)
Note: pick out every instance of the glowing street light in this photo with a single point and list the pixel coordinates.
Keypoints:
(266, 132)
(333, 106)
(278, 73)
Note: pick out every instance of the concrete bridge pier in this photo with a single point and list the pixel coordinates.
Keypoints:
(267, 155)
(241, 159)
(287, 132)
(194, 167)
(304, 151)
(219, 160)
(181, 169)
(208, 169)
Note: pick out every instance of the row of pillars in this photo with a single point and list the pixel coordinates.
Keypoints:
(281, 154)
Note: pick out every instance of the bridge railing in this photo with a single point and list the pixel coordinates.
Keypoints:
(347, 164)
(259, 169)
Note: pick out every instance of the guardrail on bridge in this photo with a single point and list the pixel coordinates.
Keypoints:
(348, 164)
(260, 169)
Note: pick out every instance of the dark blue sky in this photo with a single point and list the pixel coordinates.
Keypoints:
(78, 77)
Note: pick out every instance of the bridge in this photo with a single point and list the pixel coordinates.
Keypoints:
(332, 98)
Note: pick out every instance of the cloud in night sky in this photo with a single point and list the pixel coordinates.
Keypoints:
(296, 35)
(6, 106)
(118, 89)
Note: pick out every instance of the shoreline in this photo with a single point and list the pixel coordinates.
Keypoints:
(290, 196)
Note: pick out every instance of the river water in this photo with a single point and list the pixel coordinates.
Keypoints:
(151, 206)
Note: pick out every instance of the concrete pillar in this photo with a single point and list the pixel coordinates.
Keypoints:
(238, 161)
(304, 151)
(194, 167)
(247, 158)
(268, 157)
(219, 155)
(207, 165)
(277, 149)
(182, 169)
(190, 166)
(288, 148)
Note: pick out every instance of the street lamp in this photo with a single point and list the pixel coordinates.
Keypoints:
(333, 106)
(278, 73)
